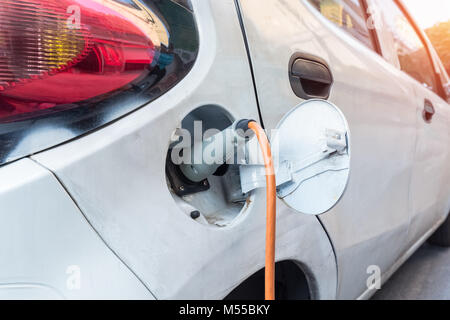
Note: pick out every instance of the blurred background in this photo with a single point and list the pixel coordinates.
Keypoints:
(434, 17)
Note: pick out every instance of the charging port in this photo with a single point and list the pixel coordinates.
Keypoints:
(212, 194)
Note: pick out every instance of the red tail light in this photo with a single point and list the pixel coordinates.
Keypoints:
(57, 55)
(47, 50)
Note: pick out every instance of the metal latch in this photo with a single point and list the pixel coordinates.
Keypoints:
(291, 173)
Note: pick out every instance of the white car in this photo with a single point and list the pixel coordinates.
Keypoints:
(92, 93)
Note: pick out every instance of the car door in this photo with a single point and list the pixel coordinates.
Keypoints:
(429, 189)
(369, 226)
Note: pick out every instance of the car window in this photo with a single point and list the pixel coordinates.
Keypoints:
(349, 15)
(412, 53)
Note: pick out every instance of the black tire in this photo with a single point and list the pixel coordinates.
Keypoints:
(441, 237)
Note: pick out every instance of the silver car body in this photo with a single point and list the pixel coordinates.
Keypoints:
(100, 204)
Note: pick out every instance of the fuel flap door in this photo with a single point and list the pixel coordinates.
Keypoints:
(311, 154)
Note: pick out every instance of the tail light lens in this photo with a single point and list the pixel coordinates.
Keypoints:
(70, 66)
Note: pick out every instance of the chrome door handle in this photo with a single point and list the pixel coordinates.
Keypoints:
(428, 111)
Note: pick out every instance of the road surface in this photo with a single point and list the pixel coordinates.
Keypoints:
(426, 275)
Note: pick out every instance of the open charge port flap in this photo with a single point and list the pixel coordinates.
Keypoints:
(209, 194)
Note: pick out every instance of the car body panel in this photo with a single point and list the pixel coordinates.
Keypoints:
(430, 186)
(430, 182)
(117, 177)
(48, 250)
(380, 104)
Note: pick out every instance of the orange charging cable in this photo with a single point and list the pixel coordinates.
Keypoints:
(271, 195)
